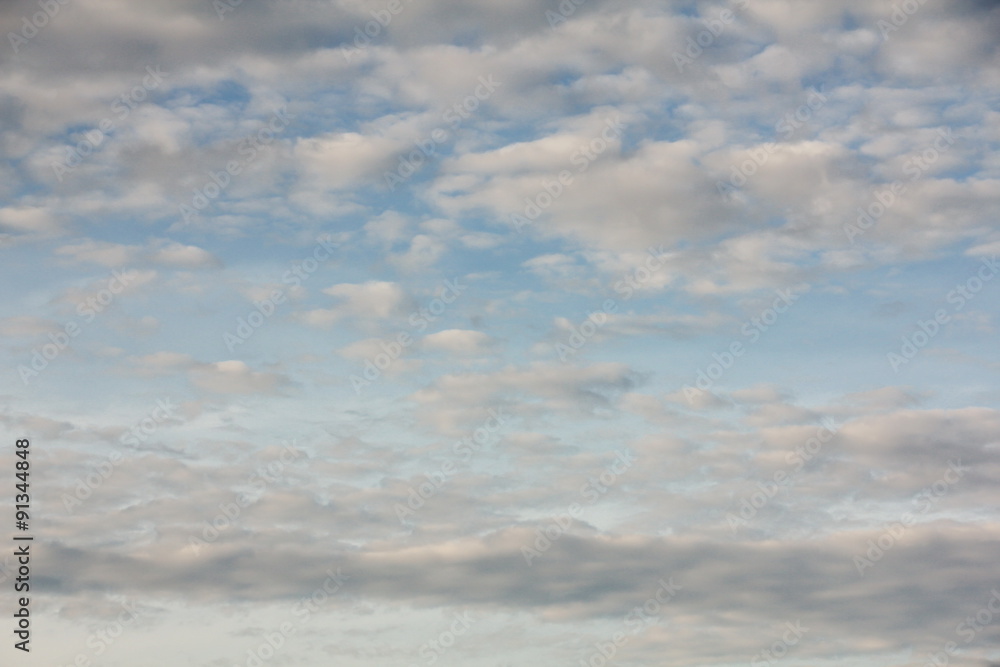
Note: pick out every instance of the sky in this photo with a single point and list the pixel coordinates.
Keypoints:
(539, 332)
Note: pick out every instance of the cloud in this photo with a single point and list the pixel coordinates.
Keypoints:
(600, 167)
(162, 363)
(235, 377)
(159, 252)
(341, 160)
(936, 569)
(460, 342)
(176, 254)
(455, 402)
(372, 300)
(29, 220)
(27, 325)
(97, 252)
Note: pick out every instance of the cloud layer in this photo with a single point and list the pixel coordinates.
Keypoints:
(486, 333)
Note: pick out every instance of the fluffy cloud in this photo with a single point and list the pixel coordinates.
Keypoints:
(675, 165)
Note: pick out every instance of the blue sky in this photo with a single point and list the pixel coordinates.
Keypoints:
(392, 333)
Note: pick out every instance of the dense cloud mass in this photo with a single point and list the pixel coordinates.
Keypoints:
(568, 332)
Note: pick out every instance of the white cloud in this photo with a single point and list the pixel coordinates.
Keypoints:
(235, 377)
(459, 342)
(372, 300)
(28, 220)
(650, 186)
(159, 252)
